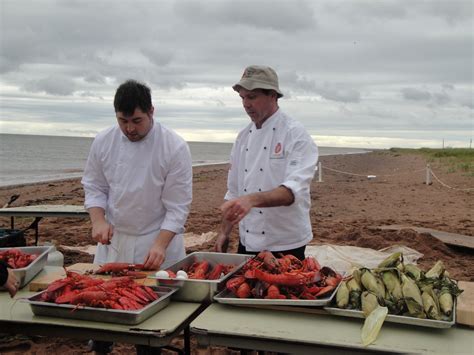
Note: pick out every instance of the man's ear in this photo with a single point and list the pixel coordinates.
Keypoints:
(152, 110)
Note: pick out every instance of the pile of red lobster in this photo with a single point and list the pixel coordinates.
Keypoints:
(202, 270)
(266, 276)
(17, 259)
(117, 293)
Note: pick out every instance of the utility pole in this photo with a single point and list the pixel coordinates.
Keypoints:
(443, 143)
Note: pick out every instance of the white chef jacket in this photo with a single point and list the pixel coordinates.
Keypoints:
(143, 187)
(281, 152)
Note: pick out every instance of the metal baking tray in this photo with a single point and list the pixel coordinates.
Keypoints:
(26, 274)
(228, 297)
(201, 290)
(118, 316)
(431, 323)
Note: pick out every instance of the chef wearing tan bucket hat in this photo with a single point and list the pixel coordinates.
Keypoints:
(273, 161)
(259, 77)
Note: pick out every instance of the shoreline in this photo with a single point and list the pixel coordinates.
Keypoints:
(56, 180)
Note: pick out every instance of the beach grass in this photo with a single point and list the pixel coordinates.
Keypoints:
(451, 159)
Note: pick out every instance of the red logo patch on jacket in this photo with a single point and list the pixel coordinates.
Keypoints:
(278, 148)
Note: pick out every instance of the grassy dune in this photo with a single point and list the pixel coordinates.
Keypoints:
(452, 159)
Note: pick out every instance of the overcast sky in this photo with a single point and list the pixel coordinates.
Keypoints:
(375, 74)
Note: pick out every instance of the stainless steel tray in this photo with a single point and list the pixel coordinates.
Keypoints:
(118, 316)
(431, 323)
(228, 297)
(201, 290)
(26, 274)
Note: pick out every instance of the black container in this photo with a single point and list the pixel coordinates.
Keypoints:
(12, 238)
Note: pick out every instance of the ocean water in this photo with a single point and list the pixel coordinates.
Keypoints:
(27, 158)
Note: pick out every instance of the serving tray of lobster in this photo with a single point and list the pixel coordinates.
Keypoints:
(26, 262)
(269, 280)
(117, 300)
(200, 275)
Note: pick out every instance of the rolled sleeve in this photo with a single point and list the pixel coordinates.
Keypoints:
(177, 192)
(301, 164)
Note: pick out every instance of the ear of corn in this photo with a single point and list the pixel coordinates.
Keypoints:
(446, 302)
(430, 304)
(412, 295)
(369, 281)
(413, 271)
(373, 324)
(342, 295)
(368, 302)
(392, 261)
(392, 283)
(436, 271)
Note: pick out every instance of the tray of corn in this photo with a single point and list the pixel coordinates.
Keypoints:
(411, 295)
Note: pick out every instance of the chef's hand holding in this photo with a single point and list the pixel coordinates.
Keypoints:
(155, 257)
(12, 284)
(222, 243)
(235, 210)
(102, 232)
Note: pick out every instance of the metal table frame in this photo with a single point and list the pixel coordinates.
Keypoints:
(40, 211)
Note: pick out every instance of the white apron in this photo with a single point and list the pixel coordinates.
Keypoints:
(132, 249)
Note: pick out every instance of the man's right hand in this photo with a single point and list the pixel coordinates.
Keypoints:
(102, 232)
(222, 243)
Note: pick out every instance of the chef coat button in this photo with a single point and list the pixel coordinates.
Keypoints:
(245, 170)
(273, 128)
(264, 147)
(245, 190)
(247, 230)
(250, 131)
(263, 232)
(260, 190)
(246, 149)
(260, 212)
(261, 169)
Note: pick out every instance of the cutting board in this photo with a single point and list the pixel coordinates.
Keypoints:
(465, 304)
(41, 282)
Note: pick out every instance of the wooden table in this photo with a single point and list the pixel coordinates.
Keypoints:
(41, 211)
(157, 331)
(303, 333)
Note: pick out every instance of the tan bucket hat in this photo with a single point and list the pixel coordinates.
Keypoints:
(258, 77)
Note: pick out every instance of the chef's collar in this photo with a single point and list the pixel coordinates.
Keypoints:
(269, 121)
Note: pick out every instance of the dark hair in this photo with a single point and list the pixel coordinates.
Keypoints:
(131, 95)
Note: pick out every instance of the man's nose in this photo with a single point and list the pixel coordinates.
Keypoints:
(129, 127)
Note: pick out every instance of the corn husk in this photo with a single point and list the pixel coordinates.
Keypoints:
(342, 295)
(372, 325)
(354, 290)
(446, 302)
(413, 271)
(412, 296)
(436, 271)
(430, 303)
(392, 261)
(392, 284)
(368, 302)
(369, 281)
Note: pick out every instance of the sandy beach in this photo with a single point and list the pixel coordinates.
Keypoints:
(346, 209)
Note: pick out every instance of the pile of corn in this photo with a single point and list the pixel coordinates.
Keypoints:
(403, 289)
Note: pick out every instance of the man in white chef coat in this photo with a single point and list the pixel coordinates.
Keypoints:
(273, 161)
(138, 185)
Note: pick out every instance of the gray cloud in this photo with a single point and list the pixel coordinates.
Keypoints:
(344, 65)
